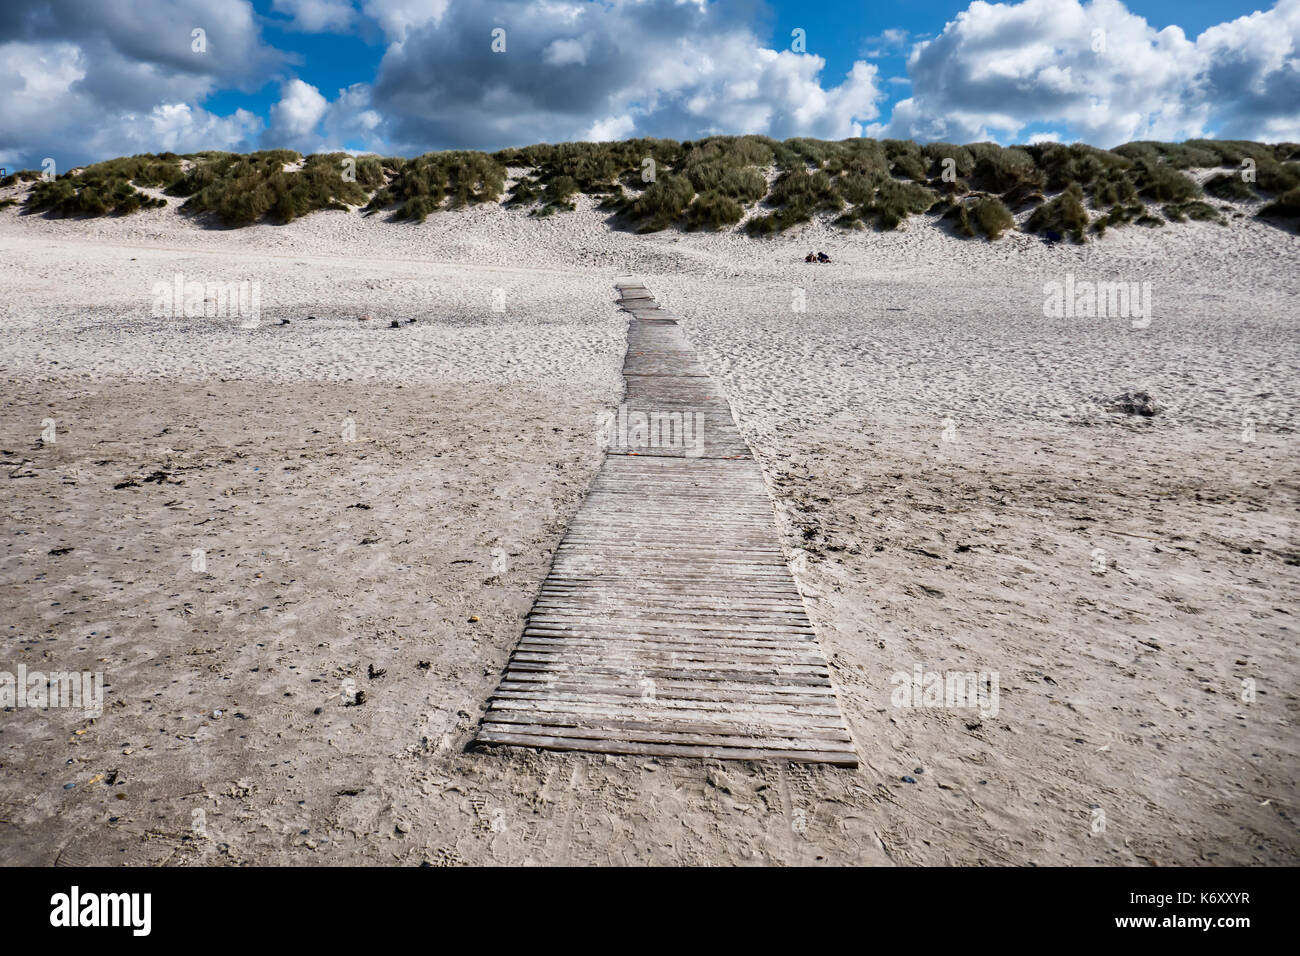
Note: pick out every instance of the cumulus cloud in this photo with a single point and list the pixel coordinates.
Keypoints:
(157, 34)
(181, 128)
(1102, 72)
(315, 16)
(305, 120)
(571, 70)
(295, 117)
(395, 17)
(85, 81)
(887, 43)
(1253, 73)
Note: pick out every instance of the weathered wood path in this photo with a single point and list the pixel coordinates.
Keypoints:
(669, 623)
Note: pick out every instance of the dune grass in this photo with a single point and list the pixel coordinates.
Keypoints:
(1119, 214)
(434, 181)
(558, 172)
(661, 204)
(711, 184)
(1064, 214)
(1193, 209)
(713, 211)
(107, 188)
(241, 190)
(981, 215)
(22, 176)
(1284, 207)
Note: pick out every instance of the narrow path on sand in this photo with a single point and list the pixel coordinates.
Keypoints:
(669, 623)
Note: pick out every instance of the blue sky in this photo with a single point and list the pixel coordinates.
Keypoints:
(93, 79)
(838, 32)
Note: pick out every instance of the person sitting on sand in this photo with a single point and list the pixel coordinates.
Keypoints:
(823, 257)
(810, 258)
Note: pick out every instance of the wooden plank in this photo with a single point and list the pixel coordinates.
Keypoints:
(637, 731)
(684, 688)
(669, 623)
(842, 758)
(670, 695)
(643, 710)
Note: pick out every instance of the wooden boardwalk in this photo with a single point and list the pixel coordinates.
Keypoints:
(669, 623)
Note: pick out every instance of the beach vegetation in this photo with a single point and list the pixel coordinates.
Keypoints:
(708, 184)
(1064, 214)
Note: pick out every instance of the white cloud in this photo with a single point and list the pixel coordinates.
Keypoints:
(396, 17)
(609, 129)
(295, 117)
(86, 81)
(571, 70)
(181, 128)
(50, 112)
(1253, 73)
(1102, 71)
(887, 43)
(317, 16)
(305, 120)
(564, 51)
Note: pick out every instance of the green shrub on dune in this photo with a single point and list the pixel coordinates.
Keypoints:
(1064, 214)
(525, 191)
(662, 203)
(963, 160)
(1163, 183)
(1225, 152)
(560, 171)
(1112, 186)
(1194, 153)
(860, 156)
(1119, 214)
(1285, 206)
(858, 188)
(981, 215)
(713, 211)
(22, 176)
(905, 159)
(744, 184)
(1229, 186)
(1077, 163)
(795, 197)
(1195, 209)
(999, 170)
(106, 188)
(242, 190)
(1277, 177)
(558, 194)
(777, 221)
(436, 180)
(758, 151)
(895, 201)
(707, 183)
(802, 190)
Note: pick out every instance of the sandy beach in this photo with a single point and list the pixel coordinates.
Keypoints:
(241, 528)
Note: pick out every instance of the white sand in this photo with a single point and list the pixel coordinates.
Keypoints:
(1121, 688)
